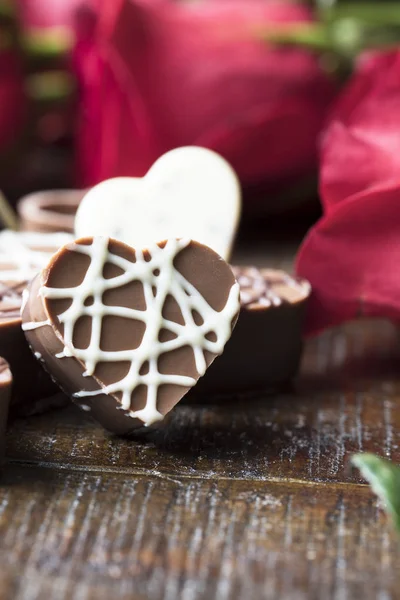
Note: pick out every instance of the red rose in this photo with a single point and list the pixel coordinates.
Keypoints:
(12, 99)
(157, 75)
(352, 256)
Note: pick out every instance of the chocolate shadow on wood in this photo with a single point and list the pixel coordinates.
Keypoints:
(248, 428)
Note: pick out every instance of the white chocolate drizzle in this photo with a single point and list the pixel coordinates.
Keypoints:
(159, 279)
(34, 325)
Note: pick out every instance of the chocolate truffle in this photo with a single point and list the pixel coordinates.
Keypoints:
(22, 256)
(265, 349)
(126, 333)
(49, 211)
(5, 395)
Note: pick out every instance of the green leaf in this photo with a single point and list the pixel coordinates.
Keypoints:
(376, 13)
(312, 36)
(384, 478)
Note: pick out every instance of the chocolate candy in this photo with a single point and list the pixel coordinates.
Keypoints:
(189, 192)
(127, 333)
(49, 211)
(265, 349)
(22, 256)
(5, 395)
(263, 352)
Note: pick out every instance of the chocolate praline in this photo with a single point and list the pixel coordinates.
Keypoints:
(265, 349)
(22, 255)
(49, 211)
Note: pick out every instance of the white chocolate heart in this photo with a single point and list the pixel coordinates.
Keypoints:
(189, 192)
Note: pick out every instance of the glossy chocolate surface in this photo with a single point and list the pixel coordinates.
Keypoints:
(130, 324)
(265, 349)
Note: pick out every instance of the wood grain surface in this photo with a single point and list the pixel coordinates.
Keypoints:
(249, 498)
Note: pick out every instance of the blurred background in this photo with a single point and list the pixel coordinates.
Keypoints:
(92, 89)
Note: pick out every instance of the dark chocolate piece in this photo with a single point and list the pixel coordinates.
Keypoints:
(22, 256)
(49, 211)
(5, 395)
(265, 349)
(127, 333)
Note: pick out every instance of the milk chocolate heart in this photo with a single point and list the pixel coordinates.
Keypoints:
(126, 333)
(189, 192)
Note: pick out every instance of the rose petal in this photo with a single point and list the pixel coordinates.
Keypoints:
(361, 147)
(352, 257)
(159, 75)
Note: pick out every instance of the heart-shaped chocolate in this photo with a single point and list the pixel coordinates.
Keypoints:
(126, 333)
(189, 192)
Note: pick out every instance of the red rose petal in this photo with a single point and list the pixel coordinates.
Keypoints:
(352, 255)
(361, 145)
(158, 75)
(352, 259)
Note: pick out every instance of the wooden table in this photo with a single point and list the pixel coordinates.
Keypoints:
(252, 498)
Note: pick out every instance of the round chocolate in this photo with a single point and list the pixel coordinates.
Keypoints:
(22, 256)
(265, 348)
(49, 211)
